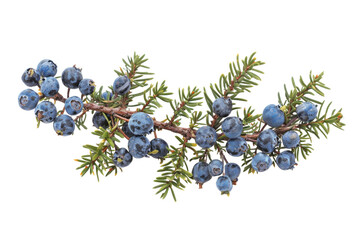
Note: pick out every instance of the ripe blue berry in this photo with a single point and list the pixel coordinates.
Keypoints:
(273, 116)
(50, 87)
(232, 127)
(291, 139)
(236, 147)
(107, 95)
(201, 173)
(64, 125)
(261, 162)
(86, 86)
(73, 105)
(222, 107)
(216, 167)
(45, 112)
(267, 141)
(139, 146)
(126, 130)
(285, 160)
(122, 85)
(28, 99)
(232, 170)
(205, 137)
(30, 77)
(71, 77)
(306, 111)
(99, 120)
(47, 68)
(160, 145)
(224, 184)
(122, 158)
(140, 123)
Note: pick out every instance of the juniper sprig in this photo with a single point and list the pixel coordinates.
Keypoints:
(127, 110)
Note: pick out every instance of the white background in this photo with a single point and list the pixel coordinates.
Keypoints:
(187, 43)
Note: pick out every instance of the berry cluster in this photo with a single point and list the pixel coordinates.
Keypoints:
(45, 111)
(140, 124)
(236, 145)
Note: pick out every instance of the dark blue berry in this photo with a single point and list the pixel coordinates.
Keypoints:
(224, 184)
(139, 146)
(222, 107)
(273, 116)
(99, 120)
(267, 141)
(73, 105)
(306, 111)
(47, 68)
(126, 130)
(161, 146)
(140, 123)
(201, 173)
(236, 147)
(285, 160)
(50, 87)
(122, 158)
(64, 125)
(71, 77)
(261, 162)
(291, 139)
(45, 112)
(30, 77)
(232, 170)
(232, 127)
(205, 137)
(28, 99)
(107, 95)
(122, 85)
(216, 167)
(86, 86)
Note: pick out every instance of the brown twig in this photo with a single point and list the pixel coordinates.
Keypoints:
(188, 133)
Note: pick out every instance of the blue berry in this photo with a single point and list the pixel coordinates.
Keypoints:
(126, 130)
(45, 112)
(122, 85)
(64, 125)
(261, 162)
(201, 173)
(291, 139)
(47, 68)
(273, 116)
(306, 111)
(99, 120)
(139, 146)
(30, 77)
(236, 147)
(50, 87)
(222, 107)
(267, 141)
(232, 127)
(86, 86)
(160, 145)
(205, 137)
(28, 99)
(224, 184)
(71, 77)
(232, 170)
(285, 160)
(122, 158)
(216, 167)
(140, 123)
(107, 95)
(73, 105)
